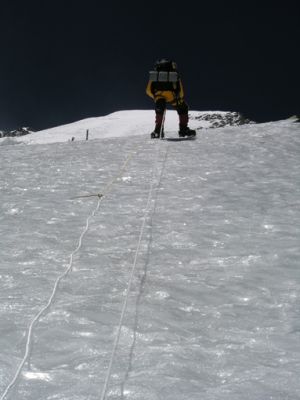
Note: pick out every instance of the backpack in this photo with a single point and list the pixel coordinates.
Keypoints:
(165, 65)
(164, 71)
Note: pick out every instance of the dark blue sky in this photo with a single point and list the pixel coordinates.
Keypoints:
(68, 60)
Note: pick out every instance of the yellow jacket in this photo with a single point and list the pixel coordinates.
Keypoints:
(171, 96)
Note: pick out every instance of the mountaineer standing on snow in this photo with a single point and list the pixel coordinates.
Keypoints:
(164, 87)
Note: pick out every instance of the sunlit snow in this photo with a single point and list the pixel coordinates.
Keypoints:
(213, 310)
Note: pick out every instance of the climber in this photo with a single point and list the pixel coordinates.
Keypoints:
(164, 87)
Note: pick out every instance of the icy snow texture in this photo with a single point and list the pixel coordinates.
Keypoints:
(214, 309)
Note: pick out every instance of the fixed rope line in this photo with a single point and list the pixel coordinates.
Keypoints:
(117, 338)
(107, 189)
(50, 301)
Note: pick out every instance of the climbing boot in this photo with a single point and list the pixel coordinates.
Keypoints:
(186, 131)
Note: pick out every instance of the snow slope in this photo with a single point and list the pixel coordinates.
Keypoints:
(213, 310)
(118, 124)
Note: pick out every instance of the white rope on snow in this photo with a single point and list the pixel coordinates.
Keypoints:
(117, 338)
(67, 270)
(50, 301)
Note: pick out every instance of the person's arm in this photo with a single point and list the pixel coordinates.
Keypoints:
(149, 90)
(178, 89)
(181, 92)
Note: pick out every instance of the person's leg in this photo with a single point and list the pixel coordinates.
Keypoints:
(182, 110)
(160, 107)
(183, 114)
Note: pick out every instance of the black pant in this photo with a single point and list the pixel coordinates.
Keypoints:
(180, 106)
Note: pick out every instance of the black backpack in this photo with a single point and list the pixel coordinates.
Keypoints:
(165, 72)
(165, 65)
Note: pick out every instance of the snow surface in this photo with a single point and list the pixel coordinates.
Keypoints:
(213, 311)
(118, 124)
